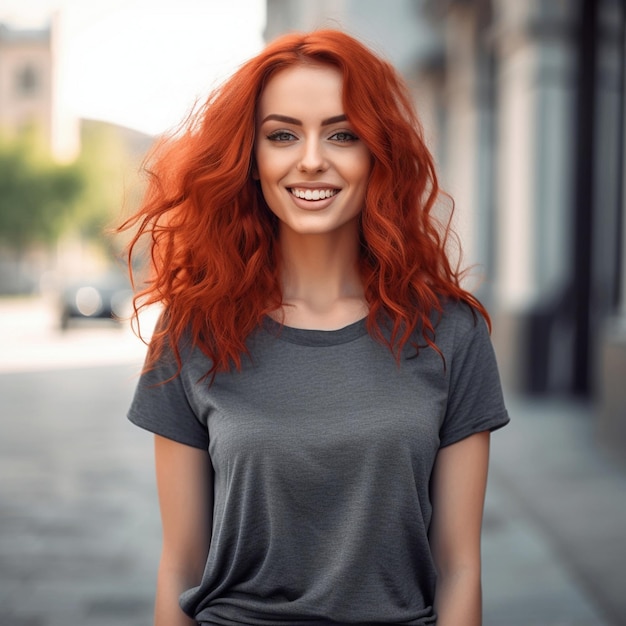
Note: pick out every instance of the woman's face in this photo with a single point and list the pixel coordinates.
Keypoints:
(312, 167)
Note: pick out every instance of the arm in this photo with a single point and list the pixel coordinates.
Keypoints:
(458, 494)
(185, 487)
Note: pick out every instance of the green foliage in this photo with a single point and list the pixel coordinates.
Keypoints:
(109, 164)
(36, 194)
(41, 199)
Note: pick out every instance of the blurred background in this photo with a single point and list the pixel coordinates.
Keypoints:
(523, 105)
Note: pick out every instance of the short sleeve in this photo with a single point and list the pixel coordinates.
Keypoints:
(475, 400)
(161, 405)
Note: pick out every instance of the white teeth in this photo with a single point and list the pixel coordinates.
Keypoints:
(314, 194)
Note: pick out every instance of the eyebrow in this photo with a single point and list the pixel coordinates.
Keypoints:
(292, 120)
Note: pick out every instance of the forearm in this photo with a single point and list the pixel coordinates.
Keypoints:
(185, 485)
(458, 494)
(458, 598)
(167, 611)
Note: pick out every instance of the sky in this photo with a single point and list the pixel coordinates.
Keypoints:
(143, 63)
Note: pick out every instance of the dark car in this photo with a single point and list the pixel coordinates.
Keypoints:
(106, 297)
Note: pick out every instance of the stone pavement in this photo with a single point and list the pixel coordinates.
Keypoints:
(79, 528)
(554, 543)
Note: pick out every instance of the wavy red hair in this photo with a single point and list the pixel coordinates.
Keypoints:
(213, 239)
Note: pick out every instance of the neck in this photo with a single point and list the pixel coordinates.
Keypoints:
(321, 281)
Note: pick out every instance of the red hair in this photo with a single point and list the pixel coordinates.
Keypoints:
(213, 239)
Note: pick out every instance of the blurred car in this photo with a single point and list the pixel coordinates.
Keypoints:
(106, 297)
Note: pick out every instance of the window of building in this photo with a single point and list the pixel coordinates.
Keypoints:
(27, 81)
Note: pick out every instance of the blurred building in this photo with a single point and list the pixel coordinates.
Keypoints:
(29, 88)
(394, 28)
(30, 83)
(523, 103)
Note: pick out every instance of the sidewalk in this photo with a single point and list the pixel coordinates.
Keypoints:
(554, 545)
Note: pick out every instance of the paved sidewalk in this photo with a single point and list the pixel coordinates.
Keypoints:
(555, 521)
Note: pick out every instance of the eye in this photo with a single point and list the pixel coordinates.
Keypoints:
(344, 136)
(281, 136)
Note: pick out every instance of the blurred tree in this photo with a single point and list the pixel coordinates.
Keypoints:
(104, 164)
(109, 164)
(36, 194)
(54, 217)
(41, 199)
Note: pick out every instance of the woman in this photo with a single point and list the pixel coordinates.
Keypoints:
(321, 387)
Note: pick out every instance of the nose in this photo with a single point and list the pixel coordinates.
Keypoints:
(312, 158)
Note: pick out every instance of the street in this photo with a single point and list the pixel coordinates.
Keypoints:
(30, 338)
(79, 524)
(79, 527)
(79, 521)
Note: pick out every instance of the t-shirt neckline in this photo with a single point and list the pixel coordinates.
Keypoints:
(315, 337)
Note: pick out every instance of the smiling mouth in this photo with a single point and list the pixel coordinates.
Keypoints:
(313, 194)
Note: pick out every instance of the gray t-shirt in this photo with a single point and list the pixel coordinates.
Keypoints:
(322, 448)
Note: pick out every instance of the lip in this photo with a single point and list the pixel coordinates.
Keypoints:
(316, 185)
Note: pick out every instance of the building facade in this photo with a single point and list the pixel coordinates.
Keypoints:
(26, 79)
(29, 83)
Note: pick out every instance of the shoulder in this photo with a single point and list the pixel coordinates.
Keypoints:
(459, 320)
